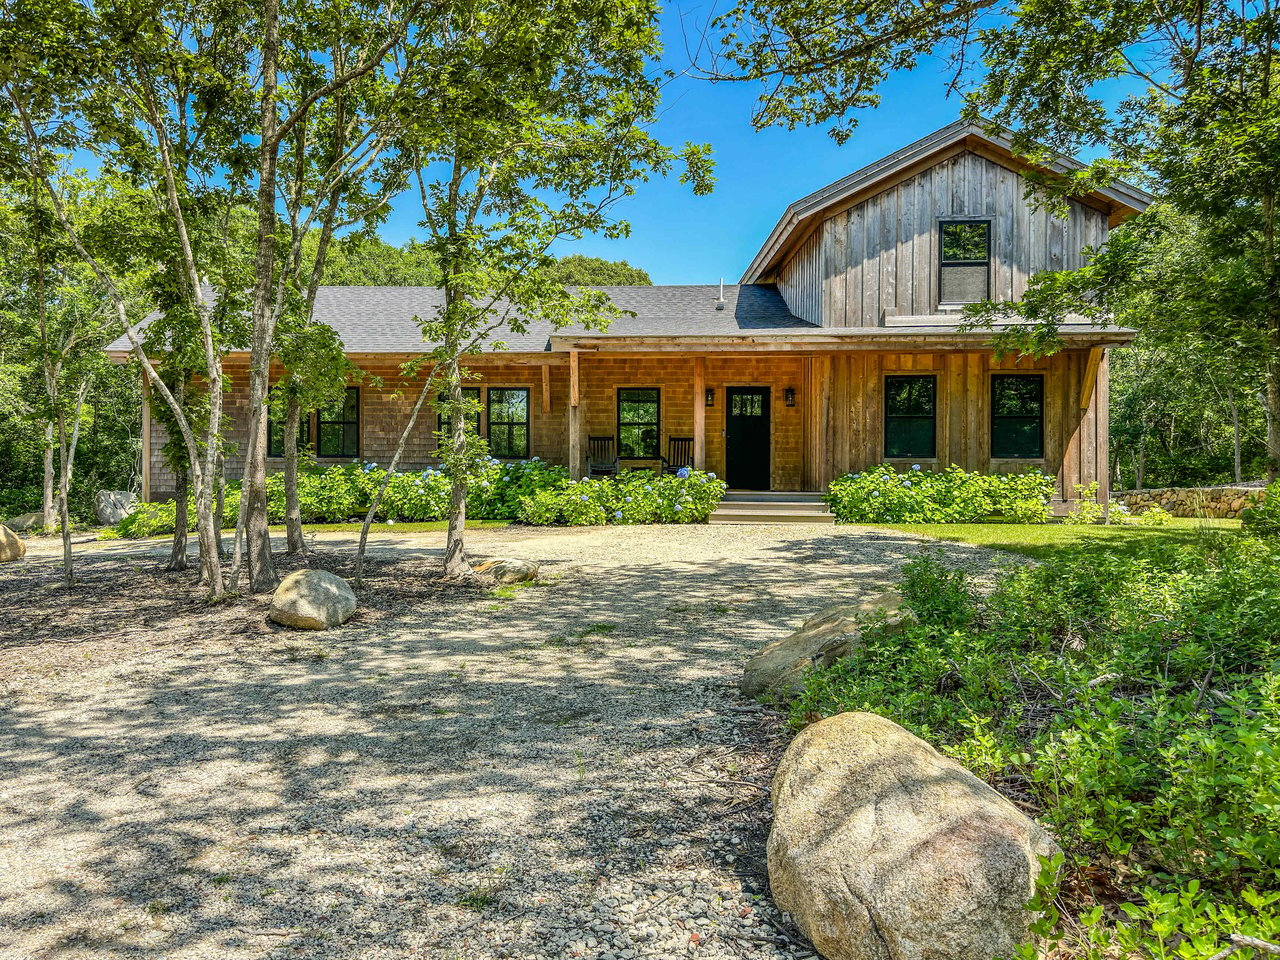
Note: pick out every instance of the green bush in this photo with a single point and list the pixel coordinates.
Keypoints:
(1135, 700)
(1263, 519)
(688, 496)
(885, 495)
(15, 501)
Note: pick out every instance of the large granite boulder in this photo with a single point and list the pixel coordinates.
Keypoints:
(883, 849)
(777, 672)
(112, 506)
(25, 522)
(509, 570)
(312, 600)
(12, 546)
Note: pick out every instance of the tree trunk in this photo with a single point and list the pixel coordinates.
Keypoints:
(66, 463)
(1140, 471)
(456, 564)
(1235, 436)
(178, 552)
(292, 510)
(48, 509)
(253, 485)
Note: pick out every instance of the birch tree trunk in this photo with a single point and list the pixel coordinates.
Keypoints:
(292, 509)
(66, 462)
(181, 520)
(48, 509)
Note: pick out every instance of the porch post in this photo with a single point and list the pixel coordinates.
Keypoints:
(146, 439)
(699, 413)
(575, 419)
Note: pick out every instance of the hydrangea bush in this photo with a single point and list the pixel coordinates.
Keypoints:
(531, 491)
(885, 495)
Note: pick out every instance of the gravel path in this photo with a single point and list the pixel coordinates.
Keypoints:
(564, 770)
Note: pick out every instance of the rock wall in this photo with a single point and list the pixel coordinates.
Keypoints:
(1193, 501)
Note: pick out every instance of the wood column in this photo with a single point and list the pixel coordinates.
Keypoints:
(575, 419)
(699, 413)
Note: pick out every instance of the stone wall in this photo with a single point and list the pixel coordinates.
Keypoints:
(1220, 502)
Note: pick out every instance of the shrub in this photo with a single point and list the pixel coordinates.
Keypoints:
(1087, 509)
(883, 495)
(1263, 519)
(15, 501)
(639, 496)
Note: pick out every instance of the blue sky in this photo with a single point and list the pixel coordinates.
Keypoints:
(680, 238)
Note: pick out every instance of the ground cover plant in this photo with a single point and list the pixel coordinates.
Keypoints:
(887, 495)
(1131, 701)
(527, 491)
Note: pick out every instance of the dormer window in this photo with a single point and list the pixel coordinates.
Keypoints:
(965, 270)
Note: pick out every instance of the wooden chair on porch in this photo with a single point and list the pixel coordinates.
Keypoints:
(679, 454)
(602, 458)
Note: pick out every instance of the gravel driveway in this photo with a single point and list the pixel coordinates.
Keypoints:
(565, 770)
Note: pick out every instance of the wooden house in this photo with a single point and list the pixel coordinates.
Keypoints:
(840, 348)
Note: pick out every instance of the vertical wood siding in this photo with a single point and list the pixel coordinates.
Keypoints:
(882, 254)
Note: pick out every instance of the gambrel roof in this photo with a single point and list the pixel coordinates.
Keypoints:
(1119, 200)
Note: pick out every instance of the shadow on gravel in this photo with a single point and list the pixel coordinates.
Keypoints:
(448, 757)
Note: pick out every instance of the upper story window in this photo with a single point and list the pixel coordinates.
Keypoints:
(964, 274)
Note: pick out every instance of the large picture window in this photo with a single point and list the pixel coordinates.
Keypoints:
(639, 423)
(964, 275)
(338, 427)
(509, 422)
(275, 435)
(472, 397)
(1017, 416)
(910, 417)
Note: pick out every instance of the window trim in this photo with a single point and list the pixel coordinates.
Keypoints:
(993, 416)
(442, 418)
(884, 437)
(943, 263)
(656, 424)
(527, 422)
(321, 421)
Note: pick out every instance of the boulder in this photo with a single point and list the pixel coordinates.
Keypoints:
(12, 546)
(112, 506)
(26, 521)
(510, 571)
(777, 671)
(312, 600)
(883, 849)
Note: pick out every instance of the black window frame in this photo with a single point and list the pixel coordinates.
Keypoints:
(495, 427)
(444, 421)
(999, 417)
(322, 421)
(944, 264)
(656, 423)
(275, 435)
(892, 418)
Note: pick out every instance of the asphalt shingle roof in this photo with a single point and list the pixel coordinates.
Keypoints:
(382, 319)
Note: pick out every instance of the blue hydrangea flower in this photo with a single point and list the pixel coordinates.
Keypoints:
(906, 483)
(678, 507)
(916, 466)
(628, 499)
(711, 475)
(584, 498)
(683, 473)
(618, 514)
(647, 487)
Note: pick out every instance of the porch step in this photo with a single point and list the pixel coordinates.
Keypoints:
(753, 506)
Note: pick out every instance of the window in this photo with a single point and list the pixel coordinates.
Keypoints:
(1017, 416)
(509, 422)
(638, 423)
(965, 273)
(338, 427)
(472, 397)
(910, 417)
(275, 435)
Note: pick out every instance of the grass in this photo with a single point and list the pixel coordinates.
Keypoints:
(1044, 540)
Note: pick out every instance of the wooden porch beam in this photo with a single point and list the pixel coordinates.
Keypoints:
(699, 413)
(1090, 377)
(146, 439)
(574, 414)
(546, 389)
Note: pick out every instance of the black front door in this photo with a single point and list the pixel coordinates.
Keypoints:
(746, 438)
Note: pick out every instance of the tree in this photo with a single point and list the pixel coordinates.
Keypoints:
(361, 260)
(538, 132)
(578, 270)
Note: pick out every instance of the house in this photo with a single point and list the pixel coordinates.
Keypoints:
(840, 348)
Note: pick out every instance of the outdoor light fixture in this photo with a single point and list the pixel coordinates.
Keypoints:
(711, 396)
(789, 395)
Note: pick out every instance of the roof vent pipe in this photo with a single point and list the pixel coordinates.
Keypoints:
(720, 301)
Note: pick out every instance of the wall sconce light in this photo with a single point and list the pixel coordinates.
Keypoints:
(789, 395)
(711, 396)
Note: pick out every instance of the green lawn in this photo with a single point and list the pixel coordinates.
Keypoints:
(1044, 540)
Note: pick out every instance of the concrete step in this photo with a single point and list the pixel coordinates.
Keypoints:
(773, 496)
(770, 506)
(731, 514)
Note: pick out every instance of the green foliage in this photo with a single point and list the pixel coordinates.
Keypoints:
(532, 491)
(1263, 519)
(17, 500)
(1154, 516)
(635, 497)
(883, 495)
(1087, 509)
(579, 270)
(1135, 698)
